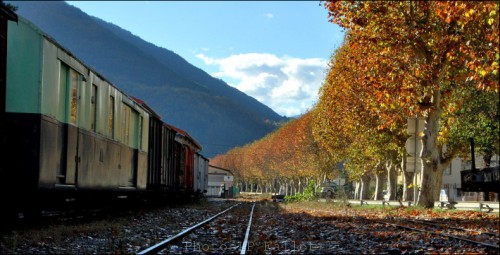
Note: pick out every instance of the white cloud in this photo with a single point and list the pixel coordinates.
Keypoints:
(269, 15)
(288, 85)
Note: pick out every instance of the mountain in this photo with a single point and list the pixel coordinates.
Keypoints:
(217, 115)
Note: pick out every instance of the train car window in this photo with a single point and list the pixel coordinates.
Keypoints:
(69, 79)
(73, 96)
(63, 81)
(126, 124)
(93, 103)
(111, 117)
(130, 126)
(134, 128)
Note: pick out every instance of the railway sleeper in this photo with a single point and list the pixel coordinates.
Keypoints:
(448, 205)
(485, 207)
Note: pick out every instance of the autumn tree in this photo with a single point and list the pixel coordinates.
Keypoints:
(422, 54)
(355, 123)
(289, 158)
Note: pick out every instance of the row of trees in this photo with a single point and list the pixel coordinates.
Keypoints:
(437, 60)
(283, 161)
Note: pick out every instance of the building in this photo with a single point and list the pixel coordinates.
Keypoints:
(220, 180)
(452, 183)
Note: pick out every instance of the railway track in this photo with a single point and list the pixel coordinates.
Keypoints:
(221, 227)
(447, 225)
(226, 232)
(484, 206)
(485, 239)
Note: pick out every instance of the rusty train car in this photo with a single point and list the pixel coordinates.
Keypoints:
(68, 132)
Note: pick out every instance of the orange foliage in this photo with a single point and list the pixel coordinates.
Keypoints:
(415, 56)
(290, 152)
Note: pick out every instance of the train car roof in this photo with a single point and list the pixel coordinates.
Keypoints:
(199, 154)
(137, 100)
(7, 13)
(184, 134)
(176, 129)
(60, 46)
(146, 106)
(220, 168)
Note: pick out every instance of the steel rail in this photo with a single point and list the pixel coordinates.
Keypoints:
(440, 224)
(441, 234)
(247, 234)
(161, 245)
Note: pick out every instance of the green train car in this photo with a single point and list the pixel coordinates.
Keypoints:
(65, 127)
(68, 133)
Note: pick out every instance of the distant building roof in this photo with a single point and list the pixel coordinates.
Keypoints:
(219, 168)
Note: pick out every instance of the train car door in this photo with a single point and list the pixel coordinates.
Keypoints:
(72, 158)
(72, 81)
(132, 136)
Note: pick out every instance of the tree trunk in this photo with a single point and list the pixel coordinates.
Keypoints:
(487, 163)
(378, 186)
(357, 189)
(276, 186)
(487, 159)
(283, 187)
(365, 185)
(294, 188)
(318, 184)
(432, 167)
(407, 180)
(391, 180)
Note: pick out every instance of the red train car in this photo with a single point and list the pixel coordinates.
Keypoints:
(185, 155)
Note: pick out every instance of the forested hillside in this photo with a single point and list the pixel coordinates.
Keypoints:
(218, 116)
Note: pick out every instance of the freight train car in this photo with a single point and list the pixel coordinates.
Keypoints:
(200, 185)
(185, 153)
(66, 131)
(173, 154)
(64, 126)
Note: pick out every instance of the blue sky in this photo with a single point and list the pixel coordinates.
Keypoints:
(274, 51)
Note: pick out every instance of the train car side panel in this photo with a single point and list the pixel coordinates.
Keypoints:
(21, 121)
(155, 152)
(51, 152)
(168, 170)
(188, 169)
(20, 139)
(24, 51)
(178, 170)
(203, 174)
(53, 94)
(142, 170)
(196, 172)
(200, 174)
